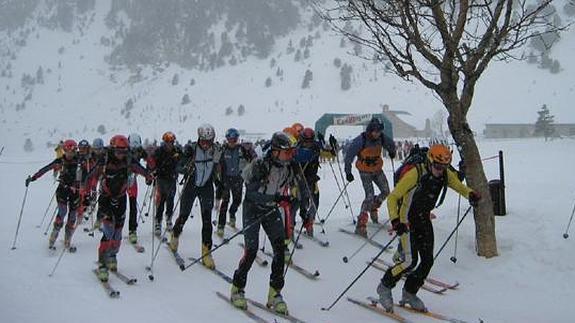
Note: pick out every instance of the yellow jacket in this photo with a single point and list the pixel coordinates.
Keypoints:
(399, 200)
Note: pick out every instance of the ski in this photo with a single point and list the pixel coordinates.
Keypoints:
(322, 243)
(426, 287)
(261, 306)
(370, 241)
(436, 316)
(376, 309)
(127, 280)
(72, 249)
(247, 312)
(216, 271)
(113, 293)
(430, 280)
(179, 260)
(259, 260)
(138, 247)
(299, 269)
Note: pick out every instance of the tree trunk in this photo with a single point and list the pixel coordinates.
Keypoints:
(475, 177)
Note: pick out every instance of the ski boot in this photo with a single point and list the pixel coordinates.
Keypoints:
(133, 237)
(53, 237)
(207, 259)
(385, 297)
(238, 298)
(374, 216)
(276, 302)
(413, 301)
(308, 225)
(361, 226)
(232, 222)
(158, 230)
(112, 263)
(220, 232)
(103, 274)
(174, 242)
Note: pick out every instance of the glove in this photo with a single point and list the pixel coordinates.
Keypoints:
(474, 198)
(392, 154)
(399, 227)
(349, 177)
(149, 181)
(278, 198)
(29, 180)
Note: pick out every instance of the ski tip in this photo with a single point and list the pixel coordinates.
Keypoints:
(316, 274)
(182, 267)
(151, 277)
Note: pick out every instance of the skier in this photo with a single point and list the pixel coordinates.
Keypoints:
(67, 193)
(234, 158)
(114, 171)
(164, 166)
(198, 165)
(85, 164)
(307, 155)
(137, 153)
(97, 157)
(409, 206)
(368, 148)
(266, 179)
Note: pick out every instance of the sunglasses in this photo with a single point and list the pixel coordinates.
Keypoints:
(439, 167)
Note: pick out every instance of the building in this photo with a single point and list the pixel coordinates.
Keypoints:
(524, 130)
(402, 129)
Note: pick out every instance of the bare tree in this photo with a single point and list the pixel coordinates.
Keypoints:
(446, 45)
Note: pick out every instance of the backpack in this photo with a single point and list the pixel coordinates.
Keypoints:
(416, 159)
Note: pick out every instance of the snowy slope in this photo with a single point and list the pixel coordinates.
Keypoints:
(529, 282)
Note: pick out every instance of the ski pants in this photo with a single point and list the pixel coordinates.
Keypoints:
(206, 195)
(68, 202)
(417, 243)
(165, 193)
(230, 186)
(113, 212)
(309, 201)
(270, 219)
(133, 202)
(372, 201)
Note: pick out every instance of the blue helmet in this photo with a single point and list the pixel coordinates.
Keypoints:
(232, 133)
(98, 143)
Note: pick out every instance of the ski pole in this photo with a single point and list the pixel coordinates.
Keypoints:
(294, 247)
(360, 274)
(152, 255)
(322, 221)
(454, 257)
(452, 232)
(51, 220)
(345, 259)
(227, 240)
(151, 199)
(57, 262)
(47, 209)
(20, 218)
(566, 234)
(345, 190)
(337, 182)
(311, 200)
(145, 199)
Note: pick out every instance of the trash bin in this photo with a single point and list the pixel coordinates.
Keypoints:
(497, 192)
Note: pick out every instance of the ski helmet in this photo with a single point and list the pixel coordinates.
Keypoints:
(98, 143)
(135, 141)
(308, 134)
(232, 133)
(70, 145)
(281, 141)
(206, 132)
(169, 137)
(440, 154)
(374, 125)
(84, 146)
(298, 128)
(119, 142)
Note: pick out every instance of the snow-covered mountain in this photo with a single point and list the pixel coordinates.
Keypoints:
(66, 72)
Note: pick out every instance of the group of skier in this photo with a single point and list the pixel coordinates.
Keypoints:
(279, 182)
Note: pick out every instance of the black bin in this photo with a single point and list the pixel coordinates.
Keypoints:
(497, 192)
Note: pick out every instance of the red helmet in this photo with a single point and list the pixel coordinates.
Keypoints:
(308, 134)
(119, 142)
(169, 137)
(70, 145)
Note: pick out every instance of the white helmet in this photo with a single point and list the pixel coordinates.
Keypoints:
(135, 141)
(206, 132)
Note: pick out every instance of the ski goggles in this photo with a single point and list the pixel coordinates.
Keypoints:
(439, 166)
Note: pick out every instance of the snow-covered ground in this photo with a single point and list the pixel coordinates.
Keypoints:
(530, 281)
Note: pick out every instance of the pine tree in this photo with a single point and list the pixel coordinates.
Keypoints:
(544, 124)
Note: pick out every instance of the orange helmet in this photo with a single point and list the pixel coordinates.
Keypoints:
(440, 154)
(169, 137)
(70, 145)
(119, 142)
(298, 128)
(290, 131)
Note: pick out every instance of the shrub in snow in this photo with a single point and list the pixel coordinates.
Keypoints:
(28, 146)
(307, 79)
(101, 129)
(175, 79)
(229, 111)
(185, 99)
(241, 110)
(345, 74)
(268, 82)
